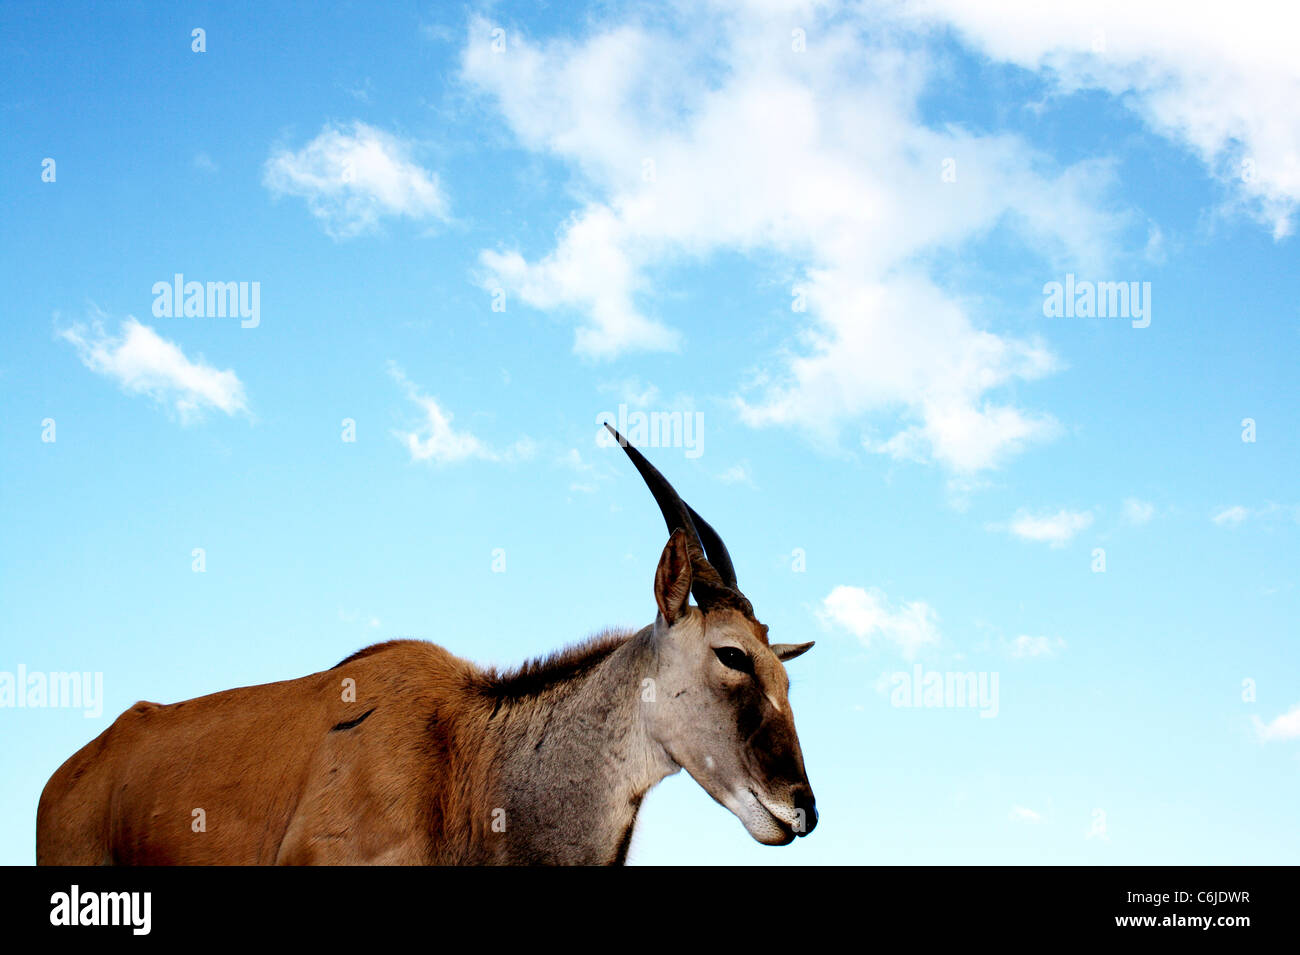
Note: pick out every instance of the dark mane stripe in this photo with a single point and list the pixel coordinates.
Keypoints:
(532, 677)
(542, 673)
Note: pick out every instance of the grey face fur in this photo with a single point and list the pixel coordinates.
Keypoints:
(722, 709)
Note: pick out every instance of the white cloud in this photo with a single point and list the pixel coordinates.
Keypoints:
(143, 362)
(1221, 82)
(868, 614)
(1284, 727)
(436, 440)
(352, 176)
(1137, 511)
(1023, 814)
(736, 474)
(1026, 647)
(1230, 516)
(718, 137)
(592, 272)
(1056, 529)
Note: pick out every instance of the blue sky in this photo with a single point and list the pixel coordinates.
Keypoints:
(825, 232)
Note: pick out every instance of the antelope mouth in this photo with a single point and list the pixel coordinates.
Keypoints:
(768, 828)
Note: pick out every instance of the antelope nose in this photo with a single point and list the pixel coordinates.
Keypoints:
(806, 806)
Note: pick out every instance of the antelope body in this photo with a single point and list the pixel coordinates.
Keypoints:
(406, 754)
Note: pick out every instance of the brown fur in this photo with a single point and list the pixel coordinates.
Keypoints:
(280, 782)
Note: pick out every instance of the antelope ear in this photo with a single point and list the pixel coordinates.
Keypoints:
(673, 578)
(788, 651)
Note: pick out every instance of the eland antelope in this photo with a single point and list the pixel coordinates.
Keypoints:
(433, 760)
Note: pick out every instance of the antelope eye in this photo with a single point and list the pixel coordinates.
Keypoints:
(734, 659)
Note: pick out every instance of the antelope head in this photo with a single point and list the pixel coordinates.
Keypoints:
(721, 705)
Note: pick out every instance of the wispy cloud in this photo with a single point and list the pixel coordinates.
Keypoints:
(354, 175)
(1056, 529)
(436, 440)
(1270, 511)
(360, 91)
(1024, 814)
(1025, 647)
(355, 616)
(588, 475)
(1230, 516)
(143, 362)
(1284, 727)
(736, 474)
(631, 391)
(869, 615)
(1137, 511)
